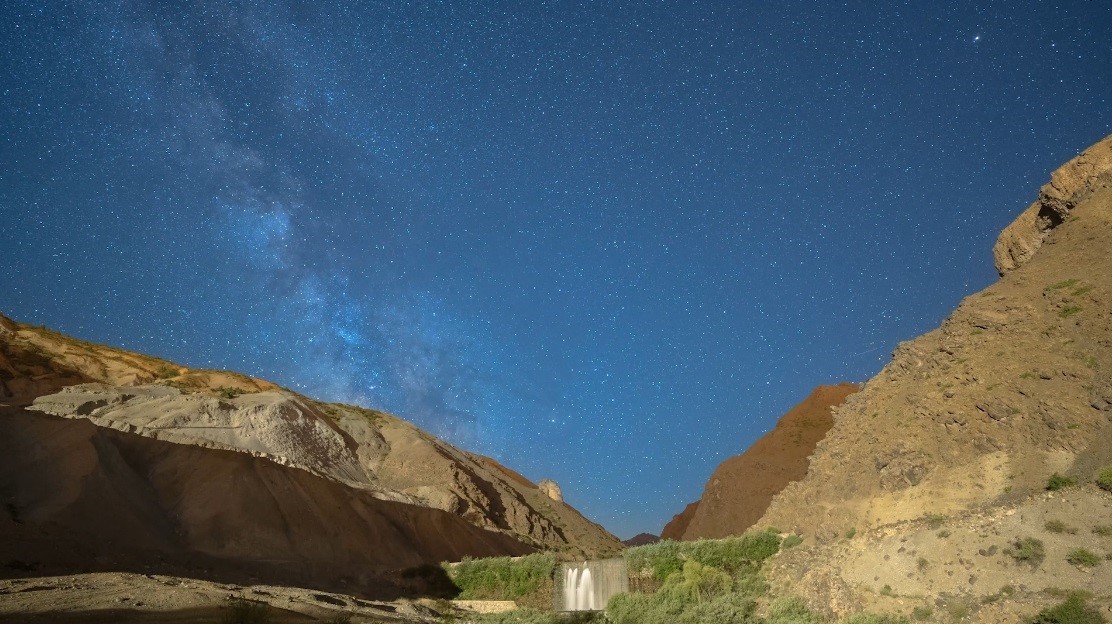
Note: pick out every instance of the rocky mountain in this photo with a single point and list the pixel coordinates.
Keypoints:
(741, 488)
(162, 446)
(936, 473)
(1014, 386)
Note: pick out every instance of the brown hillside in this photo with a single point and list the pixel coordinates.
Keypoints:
(81, 498)
(1014, 386)
(382, 456)
(741, 488)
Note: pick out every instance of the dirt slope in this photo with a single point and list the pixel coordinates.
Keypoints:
(1015, 385)
(739, 491)
(83, 498)
(381, 455)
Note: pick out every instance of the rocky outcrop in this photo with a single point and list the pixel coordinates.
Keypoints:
(1070, 185)
(551, 490)
(383, 456)
(1015, 385)
(741, 488)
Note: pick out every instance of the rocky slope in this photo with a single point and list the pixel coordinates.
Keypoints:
(1015, 385)
(931, 474)
(105, 399)
(741, 488)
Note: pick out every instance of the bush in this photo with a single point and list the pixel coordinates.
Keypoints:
(1057, 482)
(1029, 550)
(244, 611)
(1072, 611)
(1082, 557)
(791, 541)
(696, 582)
(501, 578)
(791, 610)
(1104, 530)
(730, 554)
(1057, 526)
(1104, 478)
(921, 613)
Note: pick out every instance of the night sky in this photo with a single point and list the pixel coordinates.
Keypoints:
(605, 243)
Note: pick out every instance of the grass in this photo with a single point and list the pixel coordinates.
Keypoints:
(1081, 291)
(228, 393)
(1057, 526)
(1074, 610)
(1103, 530)
(501, 578)
(851, 533)
(1069, 311)
(922, 613)
(935, 520)
(922, 563)
(1104, 478)
(1057, 482)
(1063, 284)
(875, 618)
(1082, 557)
(1028, 550)
(791, 541)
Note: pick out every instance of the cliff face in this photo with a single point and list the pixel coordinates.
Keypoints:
(741, 488)
(352, 453)
(1015, 385)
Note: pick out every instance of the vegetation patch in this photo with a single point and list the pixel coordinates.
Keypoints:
(1057, 526)
(1063, 284)
(1103, 530)
(501, 578)
(1069, 311)
(731, 554)
(1082, 557)
(1074, 610)
(935, 520)
(791, 541)
(1057, 482)
(876, 618)
(1028, 550)
(1104, 478)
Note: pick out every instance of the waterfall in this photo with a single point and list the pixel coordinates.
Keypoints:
(585, 592)
(590, 585)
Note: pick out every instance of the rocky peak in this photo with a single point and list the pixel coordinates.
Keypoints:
(551, 489)
(1071, 184)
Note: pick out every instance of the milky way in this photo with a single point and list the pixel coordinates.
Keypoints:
(606, 243)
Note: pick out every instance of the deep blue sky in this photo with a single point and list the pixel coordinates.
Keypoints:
(606, 243)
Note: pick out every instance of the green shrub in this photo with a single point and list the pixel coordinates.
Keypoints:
(730, 554)
(850, 533)
(1057, 482)
(921, 613)
(1073, 610)
(1069, 311)
(228, 393)
(1029, 550)
(935, 520)
(1057, 526)
(1082, 557)
(1104, 478)
(696, 583)
(791, 541)
(501, 578)
(242, 611)
(791, 610)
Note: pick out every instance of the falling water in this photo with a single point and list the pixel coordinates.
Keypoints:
(589, 586)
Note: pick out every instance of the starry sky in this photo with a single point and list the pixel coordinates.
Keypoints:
(607, 243)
